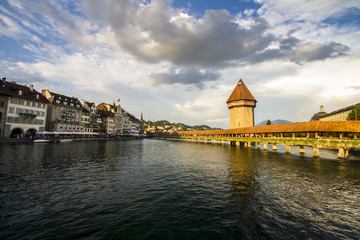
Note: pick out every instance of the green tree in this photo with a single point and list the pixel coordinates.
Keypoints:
(268, 122)
(355, 114)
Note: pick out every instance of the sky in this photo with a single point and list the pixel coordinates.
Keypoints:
(179, 60)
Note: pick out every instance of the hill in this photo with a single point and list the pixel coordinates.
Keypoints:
(273, 122)
(166, 125)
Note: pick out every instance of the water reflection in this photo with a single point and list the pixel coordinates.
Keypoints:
(173, 190)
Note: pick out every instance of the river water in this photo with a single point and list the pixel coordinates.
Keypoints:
(152, 189)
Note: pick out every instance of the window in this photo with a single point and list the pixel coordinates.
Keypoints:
(13, 101)
(20, 92)
(11, 109)
(25, 102)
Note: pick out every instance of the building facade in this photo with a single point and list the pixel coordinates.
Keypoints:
(64, 113)
(341, 114)
(5, 95)
(107, 113)
(241, 104)
(95, 121)
(26, 110)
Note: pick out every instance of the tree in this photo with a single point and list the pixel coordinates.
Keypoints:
(355, 114)
(268, 122)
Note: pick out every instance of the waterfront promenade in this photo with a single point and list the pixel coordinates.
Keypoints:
(340, 135)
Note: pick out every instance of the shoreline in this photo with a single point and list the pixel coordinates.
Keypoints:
(63, 140)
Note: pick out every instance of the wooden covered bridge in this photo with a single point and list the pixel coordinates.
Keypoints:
(340, 135)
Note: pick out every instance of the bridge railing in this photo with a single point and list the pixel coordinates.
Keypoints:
(341, 135)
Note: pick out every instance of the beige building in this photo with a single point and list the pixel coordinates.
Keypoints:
(338, 115)
(22, 110)
(241, 104)
(107, 113)
(64, 113)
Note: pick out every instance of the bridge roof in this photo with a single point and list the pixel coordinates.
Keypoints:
(240, 92)
(313, 126)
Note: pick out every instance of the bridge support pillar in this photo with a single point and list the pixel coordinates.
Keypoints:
(316, 152)
(265, 146)
(245, 145)
(274, 147)
(302, 150)
(250, 144)
(343, 153)
(258, 145)
(287, 149)
(237, 144)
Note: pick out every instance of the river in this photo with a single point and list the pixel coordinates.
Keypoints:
(152, 189)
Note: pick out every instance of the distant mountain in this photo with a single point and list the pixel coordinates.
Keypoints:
(164, 124)
(273, 122)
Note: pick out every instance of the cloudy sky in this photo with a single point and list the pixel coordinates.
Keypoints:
(180, 60)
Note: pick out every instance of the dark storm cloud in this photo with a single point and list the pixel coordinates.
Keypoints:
(291, 49)
(155, 32)
(187, 76)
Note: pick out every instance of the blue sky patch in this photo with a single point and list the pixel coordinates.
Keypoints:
(348, 17)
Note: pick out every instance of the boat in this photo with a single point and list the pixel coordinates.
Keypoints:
(41, 141)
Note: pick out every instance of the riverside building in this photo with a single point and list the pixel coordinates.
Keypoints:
(64, 113)
(23, 110)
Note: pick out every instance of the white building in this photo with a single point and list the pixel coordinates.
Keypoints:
(26, 110)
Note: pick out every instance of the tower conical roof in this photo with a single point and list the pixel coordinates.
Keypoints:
(241, 92)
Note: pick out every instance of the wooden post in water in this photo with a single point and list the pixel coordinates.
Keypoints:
(302, 150)
(343, 153)
(265, 146)
(287, 149)
(316, 151)
(274, 147)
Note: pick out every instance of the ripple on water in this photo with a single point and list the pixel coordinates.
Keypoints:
(172, 190)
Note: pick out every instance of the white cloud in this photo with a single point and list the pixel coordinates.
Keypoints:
(180, 67)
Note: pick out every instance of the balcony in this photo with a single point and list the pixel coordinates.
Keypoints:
(24, 113)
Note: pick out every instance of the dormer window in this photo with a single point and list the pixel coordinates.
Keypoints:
(65, 103)
(37, 96)
(57, 101)
(20, 92)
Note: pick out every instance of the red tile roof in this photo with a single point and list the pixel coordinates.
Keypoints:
(313, 126)
(241, 92)
(27, 93)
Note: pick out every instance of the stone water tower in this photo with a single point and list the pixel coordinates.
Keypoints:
(241, 104)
